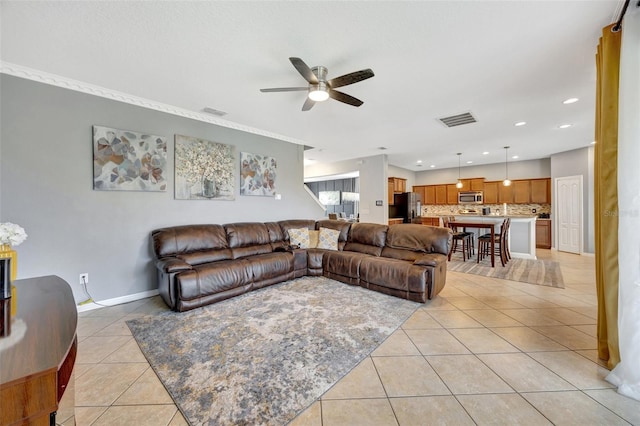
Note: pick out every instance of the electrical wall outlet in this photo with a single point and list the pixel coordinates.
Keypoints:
(84, 278)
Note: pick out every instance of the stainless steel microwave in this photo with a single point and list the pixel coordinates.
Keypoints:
(471, 197)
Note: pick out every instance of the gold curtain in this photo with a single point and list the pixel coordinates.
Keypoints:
(606, 194)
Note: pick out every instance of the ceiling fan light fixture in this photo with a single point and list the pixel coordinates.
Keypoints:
(318, 92)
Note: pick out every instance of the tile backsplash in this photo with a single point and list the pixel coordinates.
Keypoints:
(512, 209)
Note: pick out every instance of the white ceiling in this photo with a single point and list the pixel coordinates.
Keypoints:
(503, 61)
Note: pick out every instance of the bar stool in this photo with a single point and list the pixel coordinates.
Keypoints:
(500, 242)
(463, 237)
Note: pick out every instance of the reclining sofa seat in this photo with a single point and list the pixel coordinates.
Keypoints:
(203, 264)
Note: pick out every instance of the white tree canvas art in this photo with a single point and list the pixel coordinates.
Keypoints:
(205, 170)
(124, 160)
(257, 174)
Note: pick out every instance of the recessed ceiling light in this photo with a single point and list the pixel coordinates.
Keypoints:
(514, 157)
(485, 153)
(432, 166)
(520, 123)
(593, 143)
(419, 161)
(469, 162)
(570, 101)
(382, 148)
(418, 165)
(564, 126)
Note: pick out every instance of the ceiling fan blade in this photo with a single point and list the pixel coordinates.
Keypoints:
(350, 78)
(308, 104)
(304, 70)
(343, 97)
(284, 89)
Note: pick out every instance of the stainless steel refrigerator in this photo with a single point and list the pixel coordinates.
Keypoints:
(407, 206)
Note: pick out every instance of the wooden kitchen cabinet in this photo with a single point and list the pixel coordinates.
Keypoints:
(399, 184)
(429, 196)
(505, 193)
(541, 191)
(521, 191)
(431, 221)
(490, 190)
(441, 194)
(452, 194)
(543, 233)
(477, 184)
(390, 192)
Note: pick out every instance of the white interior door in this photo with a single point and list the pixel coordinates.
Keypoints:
(569, 213)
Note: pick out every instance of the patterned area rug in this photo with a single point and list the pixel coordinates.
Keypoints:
(540, 272)
(263, 357)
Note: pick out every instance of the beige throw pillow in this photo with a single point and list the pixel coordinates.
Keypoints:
(314, 237)
(299, 237)
(328, 239)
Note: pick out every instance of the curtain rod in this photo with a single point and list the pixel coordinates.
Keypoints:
(618, 25)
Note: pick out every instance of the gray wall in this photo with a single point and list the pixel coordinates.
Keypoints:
(46, 187)
(530, 169)
(578, 162)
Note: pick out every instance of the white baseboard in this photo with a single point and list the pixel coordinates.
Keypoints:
(117, 300)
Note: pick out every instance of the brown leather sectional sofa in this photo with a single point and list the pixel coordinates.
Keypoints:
(202, 264)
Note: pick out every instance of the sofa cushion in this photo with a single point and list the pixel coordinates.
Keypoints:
(248, 239)
(394, 273)
(269, 265)
(420, 238)
(211, 278)
(285, 225)
(342, 263)
(299, 237)
(338, 225)
(194, 244)
(328, 239)
(367, 238)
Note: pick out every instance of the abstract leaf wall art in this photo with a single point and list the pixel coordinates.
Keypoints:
(205, 170)
(257, 174)
(128, 161)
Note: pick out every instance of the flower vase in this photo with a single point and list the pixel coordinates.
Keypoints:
(7, 252)
(208, 188)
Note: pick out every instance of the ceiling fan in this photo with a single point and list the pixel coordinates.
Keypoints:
(319, 88)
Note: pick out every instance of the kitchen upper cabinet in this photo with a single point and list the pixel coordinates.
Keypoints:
(441, 194)
(521, 191)
(390, 191)
(490, 190)
(399, 184)
(452, 194)
(505, 194)
(541, 191)
(477, 184)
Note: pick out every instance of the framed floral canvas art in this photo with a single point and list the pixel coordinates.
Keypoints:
(257, 174)
(124, 160)
(205, 169)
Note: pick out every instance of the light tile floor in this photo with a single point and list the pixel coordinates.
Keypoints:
(485, 351)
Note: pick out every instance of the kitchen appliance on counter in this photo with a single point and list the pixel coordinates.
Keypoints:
(486, 211)
(407, 205)
(470, 197)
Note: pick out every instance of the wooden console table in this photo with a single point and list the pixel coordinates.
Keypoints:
(35, 370)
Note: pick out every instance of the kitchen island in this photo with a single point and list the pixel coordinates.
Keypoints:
(522, 232)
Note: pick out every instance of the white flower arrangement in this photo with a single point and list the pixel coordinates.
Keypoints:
(12, 234)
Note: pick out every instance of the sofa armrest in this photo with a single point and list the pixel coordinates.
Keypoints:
(430, 259)
(172, 264)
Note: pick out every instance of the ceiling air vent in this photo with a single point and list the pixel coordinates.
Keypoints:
(458, 120)
(214, 111)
